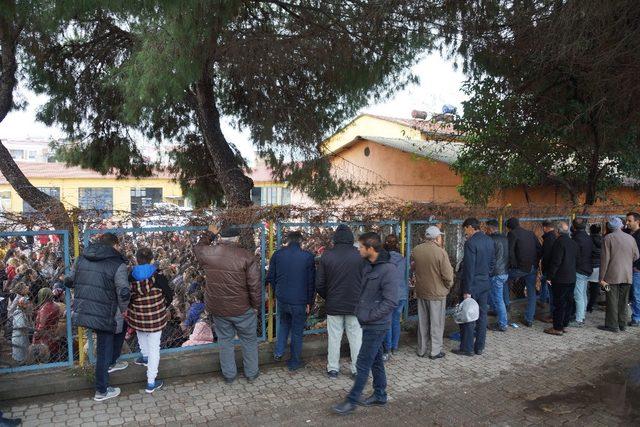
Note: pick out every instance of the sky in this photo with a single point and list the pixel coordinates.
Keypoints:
(439, 84)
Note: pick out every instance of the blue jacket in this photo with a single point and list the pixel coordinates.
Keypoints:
(379, 295)
(292, 273)
(477, 264)
(399, 261)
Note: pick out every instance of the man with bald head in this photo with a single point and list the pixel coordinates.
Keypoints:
(561, 275)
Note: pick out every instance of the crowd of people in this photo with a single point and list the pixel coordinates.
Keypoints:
(172, 289)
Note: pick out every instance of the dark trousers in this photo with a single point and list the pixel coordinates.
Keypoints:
(370, 360)
(594, 293)
(109, 346)
(480, 326)
(562, 300)
(292, 320)
(617, 298)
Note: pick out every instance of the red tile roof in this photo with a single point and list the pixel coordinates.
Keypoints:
(61, 171)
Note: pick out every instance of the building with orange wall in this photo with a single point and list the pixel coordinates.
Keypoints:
(410, 159)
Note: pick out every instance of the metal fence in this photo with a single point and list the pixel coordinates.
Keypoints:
(33, 337)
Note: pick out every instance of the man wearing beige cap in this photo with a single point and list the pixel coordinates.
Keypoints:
(434, 278)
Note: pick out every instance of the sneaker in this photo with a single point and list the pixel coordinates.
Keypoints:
(332, 374)
(111, 393)
(576, 324)
(142, 361)
(252, 379)
(119, 366)
(386, 357)
(277, 358)
(157, 385)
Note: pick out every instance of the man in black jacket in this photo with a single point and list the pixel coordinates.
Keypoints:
(499, 276)
(101, 296)
(378, 299)
(548, 239)
(338, 281)
(524, 255)
(584, 268)
(561, 271)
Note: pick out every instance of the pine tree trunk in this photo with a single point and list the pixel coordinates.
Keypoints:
(52, 208)
(235, 184)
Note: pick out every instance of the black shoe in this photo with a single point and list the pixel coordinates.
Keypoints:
(497, 328)
(332, 374)
(623, 328)
(296, 368)
(633, 323)
(10, 421)
(437, 356)
(253, 378)
(373, 401)
(479, 352)
(344, 408)
(277, 358)
(606, 328)
(461, 353)
(230, 380)
(527, 323)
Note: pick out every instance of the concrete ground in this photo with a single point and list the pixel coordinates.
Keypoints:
(525, 377)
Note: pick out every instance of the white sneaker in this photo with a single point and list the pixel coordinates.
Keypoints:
(111, 392)
(119, 366)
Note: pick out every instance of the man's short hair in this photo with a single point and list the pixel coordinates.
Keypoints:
(548, 224)
(471, 222)
(562, 227)
(513, 223)
(294, 236)
(144, 255)
(595, 229)
(579, 224)
(109, 239)
(635, 215)
(493, 223)
(371, 240)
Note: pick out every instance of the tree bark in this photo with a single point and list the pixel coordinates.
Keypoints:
(52, 208)
(235, 184)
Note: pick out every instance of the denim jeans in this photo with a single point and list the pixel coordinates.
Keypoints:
(292, 320)
(108, 348)
(467, 330)
(370, 360)
(580, 296)
(497, 298)
(530, 282)
(393, 336)
(635, 292)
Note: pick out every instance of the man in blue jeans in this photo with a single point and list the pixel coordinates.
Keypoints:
(525, 252)
(292, 275)
(100, 280)
(584, 268)
(633, 226)
(391, 245)
(378, 299)
(499, 275)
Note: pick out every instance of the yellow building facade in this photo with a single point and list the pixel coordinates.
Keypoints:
(82, 188)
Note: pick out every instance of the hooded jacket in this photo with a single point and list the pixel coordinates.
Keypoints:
(339, 274)
(101, 289)
(379, 295)
(150, 295)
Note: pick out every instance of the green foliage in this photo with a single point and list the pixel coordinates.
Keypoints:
(290, 72)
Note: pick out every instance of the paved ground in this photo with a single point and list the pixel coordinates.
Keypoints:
(525, 377)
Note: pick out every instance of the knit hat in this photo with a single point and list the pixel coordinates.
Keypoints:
(343, 234)
(615, 223)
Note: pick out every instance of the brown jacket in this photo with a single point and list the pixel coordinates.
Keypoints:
(619, 251)
(233, 279)
(434, 273)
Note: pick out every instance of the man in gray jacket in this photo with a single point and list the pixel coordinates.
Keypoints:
(619, 252)
(100, 300)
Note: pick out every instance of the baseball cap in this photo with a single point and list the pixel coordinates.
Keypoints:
(433, 232)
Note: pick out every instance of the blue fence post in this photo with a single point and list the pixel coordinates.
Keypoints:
(67, 297)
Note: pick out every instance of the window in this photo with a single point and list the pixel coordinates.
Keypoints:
(265, 196)
(51, 191)
(17, 154)
(100, 199)
(144, 198)
(33, 155)
(5, 201)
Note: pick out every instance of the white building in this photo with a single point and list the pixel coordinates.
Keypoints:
(29, 150)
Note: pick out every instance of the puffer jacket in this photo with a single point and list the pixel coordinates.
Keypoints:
(339, 275)
(101, 289)
(379, 296)
(233, 279)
